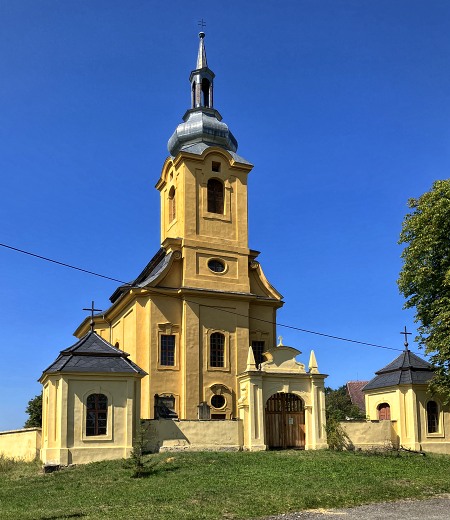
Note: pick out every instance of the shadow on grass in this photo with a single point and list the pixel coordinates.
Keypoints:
(151, 472)
(59, 517)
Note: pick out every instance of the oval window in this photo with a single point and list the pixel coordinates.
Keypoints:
(218, 401)
(217, 266)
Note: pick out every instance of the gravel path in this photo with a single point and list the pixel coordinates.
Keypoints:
(437, 508)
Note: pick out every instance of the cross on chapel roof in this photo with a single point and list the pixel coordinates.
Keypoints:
(406, 333)
(92, 309)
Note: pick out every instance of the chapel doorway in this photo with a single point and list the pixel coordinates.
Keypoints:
(384, 412)
(285, 422)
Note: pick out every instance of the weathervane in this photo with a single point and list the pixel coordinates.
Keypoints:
(92, 309)
(405, 333)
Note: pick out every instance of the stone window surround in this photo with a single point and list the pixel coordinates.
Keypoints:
(109, 420)
(226, 350)
(440, 433)
(171, 330)
(227, 191)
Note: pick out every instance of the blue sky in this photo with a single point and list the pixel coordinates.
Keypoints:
(341, 105)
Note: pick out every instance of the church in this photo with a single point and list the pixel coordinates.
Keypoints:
(190, 344)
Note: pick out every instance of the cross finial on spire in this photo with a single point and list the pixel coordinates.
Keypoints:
(201, 24)
(92, 309)
(405, 333)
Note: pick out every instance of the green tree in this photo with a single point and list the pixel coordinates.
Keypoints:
(34, 411)
(425, 277)
(338, 405)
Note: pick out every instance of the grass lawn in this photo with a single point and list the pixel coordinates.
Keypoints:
(196, 486)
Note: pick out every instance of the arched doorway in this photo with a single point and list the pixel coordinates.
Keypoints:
(285, 421)
(384, 412)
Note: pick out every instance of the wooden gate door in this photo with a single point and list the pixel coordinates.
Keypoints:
(285, 421)
(384, 412)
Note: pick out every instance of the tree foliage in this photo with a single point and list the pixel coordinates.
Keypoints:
(34, 411)
(339, 407)
(425, 276)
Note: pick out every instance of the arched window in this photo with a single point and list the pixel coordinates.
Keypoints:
(215, 196)
(172, 204)
(384, 412)
(96, 414)
(194, 104)
(432, 417)
(217, 349)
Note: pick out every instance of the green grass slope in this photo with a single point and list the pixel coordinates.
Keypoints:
(197, 486)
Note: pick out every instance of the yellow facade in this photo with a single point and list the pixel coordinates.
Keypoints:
(64, 440)
(189, 319)
(190, 301)
(409, 417)
(281, 373)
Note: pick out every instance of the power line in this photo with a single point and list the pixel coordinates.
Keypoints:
(62, 263)
(131, 286)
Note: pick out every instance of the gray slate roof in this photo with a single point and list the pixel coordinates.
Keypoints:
(200, 147)
(151, 271)
(93, 354)
(406, 369)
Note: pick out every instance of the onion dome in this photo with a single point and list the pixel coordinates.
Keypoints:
(202, 124)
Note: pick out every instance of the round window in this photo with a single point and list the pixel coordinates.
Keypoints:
(218, 401)
(217, 266)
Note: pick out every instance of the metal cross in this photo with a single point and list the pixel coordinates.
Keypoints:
(201, 24)
(405, 333)
(92, 309)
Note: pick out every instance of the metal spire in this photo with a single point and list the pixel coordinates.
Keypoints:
(202, 124)
(201, 58)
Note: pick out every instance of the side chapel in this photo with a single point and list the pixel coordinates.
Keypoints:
(399, 393)
(199, 322)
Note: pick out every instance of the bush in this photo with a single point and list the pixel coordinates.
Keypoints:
(337, 438)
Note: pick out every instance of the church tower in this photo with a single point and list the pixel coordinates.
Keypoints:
(191, 315)
(203, 189)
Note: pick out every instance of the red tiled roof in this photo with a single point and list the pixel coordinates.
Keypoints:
(354, 390)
